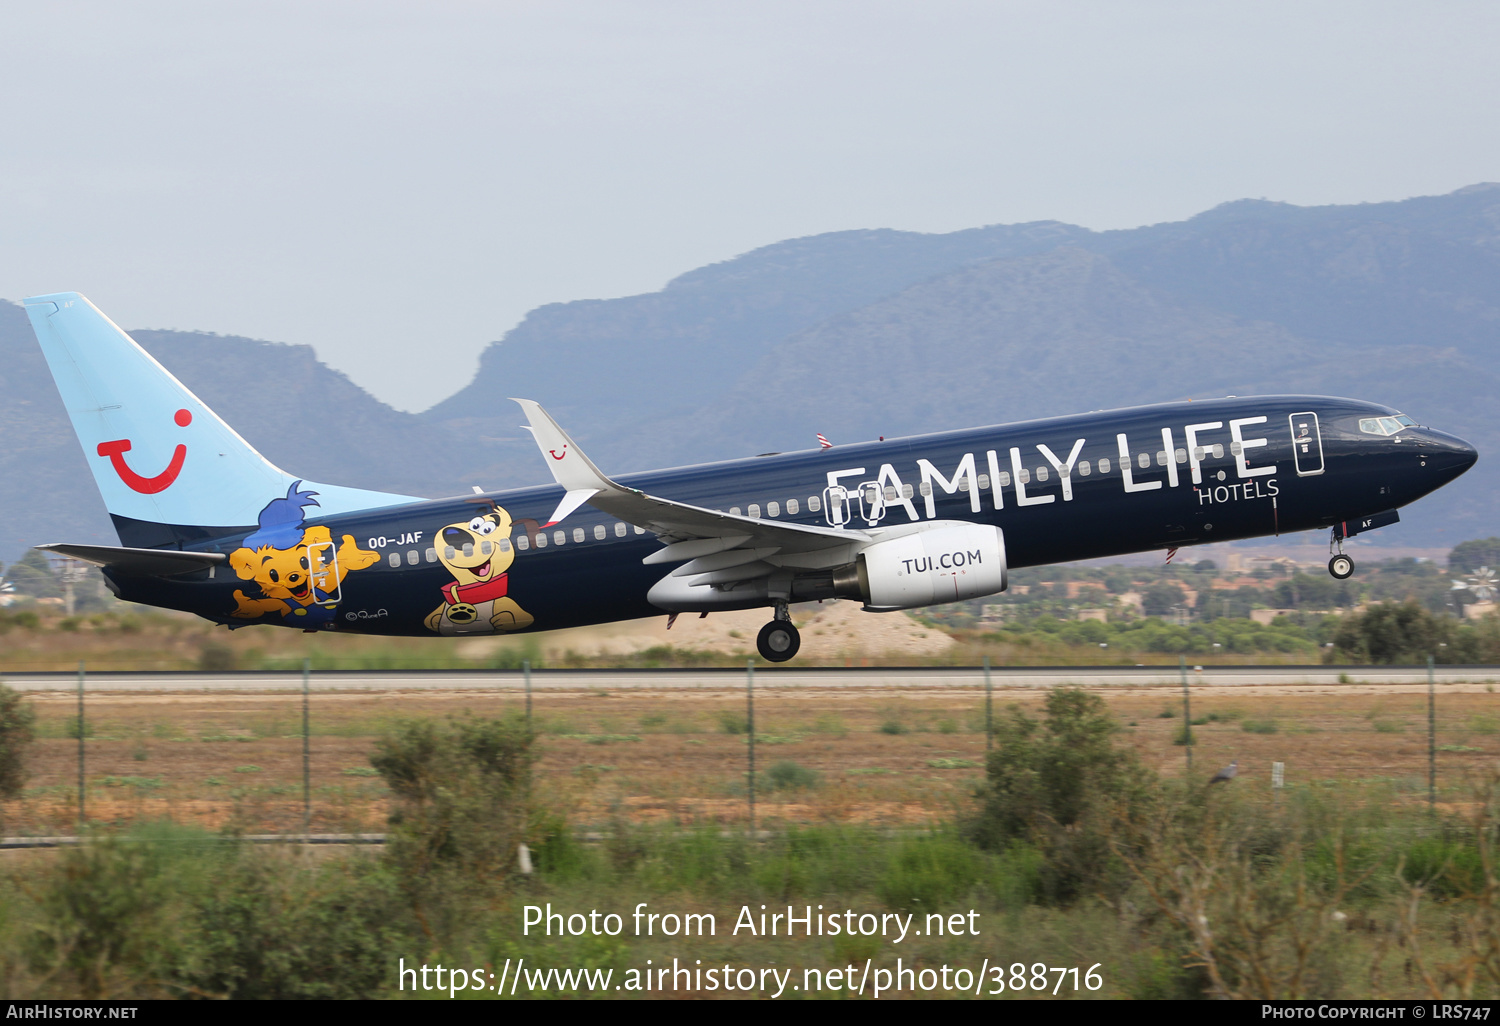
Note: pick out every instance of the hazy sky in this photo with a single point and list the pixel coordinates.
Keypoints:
(396, 184)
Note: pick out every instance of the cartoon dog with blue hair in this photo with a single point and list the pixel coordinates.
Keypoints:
(295, 568)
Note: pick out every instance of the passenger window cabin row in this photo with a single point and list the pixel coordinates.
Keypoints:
(815, 504)
(522, 543)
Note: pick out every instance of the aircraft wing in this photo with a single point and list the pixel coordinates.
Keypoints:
(721, 546)
(139, 562)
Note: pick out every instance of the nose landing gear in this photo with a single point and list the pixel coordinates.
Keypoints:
(1340, 566)
(779, 640)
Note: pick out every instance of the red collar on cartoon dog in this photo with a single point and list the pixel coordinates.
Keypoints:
(479, 591)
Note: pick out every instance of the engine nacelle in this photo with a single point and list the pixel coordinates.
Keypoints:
(945, 564)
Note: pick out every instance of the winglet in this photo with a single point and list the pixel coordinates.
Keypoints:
(570, 467)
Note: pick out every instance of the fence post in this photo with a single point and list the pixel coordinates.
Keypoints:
(1187, 713)
(82, 813)
(306, 753)
(1431, 737)
(526, 672)
(989, 707)
(750, 735)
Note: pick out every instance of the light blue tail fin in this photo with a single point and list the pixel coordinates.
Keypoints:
(159, 455)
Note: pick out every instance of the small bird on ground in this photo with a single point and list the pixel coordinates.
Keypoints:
(1227, 773)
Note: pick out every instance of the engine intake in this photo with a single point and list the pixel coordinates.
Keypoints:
(946, 564)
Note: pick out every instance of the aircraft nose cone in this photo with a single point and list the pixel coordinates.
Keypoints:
(1450, 455)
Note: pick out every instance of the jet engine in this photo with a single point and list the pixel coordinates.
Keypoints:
(947, 564)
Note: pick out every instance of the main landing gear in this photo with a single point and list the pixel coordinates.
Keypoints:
(1340, 566)
(778, 640)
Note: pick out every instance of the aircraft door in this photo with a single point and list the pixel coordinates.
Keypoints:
(323, 562)
(1307, 444)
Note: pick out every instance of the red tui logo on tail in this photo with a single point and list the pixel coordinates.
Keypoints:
(117, 449)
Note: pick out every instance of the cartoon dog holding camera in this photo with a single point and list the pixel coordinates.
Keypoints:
(477, 552)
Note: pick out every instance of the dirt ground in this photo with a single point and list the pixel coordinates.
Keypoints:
(880, 755)
(832, 633)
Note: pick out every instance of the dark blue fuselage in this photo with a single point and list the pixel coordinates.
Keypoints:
(1061, 489)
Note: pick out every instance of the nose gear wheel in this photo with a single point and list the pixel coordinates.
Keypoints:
(1340, 566)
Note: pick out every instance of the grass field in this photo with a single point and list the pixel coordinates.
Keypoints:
(853, 756)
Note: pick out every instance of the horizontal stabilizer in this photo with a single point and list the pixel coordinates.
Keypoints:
(139, 562)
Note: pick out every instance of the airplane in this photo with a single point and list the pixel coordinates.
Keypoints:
(207, 525)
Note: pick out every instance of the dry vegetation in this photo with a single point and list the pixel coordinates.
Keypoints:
(868, 799)
(911, 756)
(132, 638)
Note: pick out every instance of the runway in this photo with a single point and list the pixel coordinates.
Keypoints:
(807, 678)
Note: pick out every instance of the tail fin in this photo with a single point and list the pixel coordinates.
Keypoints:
(169, 469)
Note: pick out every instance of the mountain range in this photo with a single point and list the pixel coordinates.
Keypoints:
(863, 333)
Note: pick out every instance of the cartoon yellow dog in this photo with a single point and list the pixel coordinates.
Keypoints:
(477, 553)
(296, 569)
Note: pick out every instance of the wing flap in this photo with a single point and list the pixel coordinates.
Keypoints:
(730, 575)
(694, 548)
(722, 561)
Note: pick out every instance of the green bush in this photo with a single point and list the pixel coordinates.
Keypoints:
(323, 934)
(892, 727)
(731, 722)
(1220, 716)
(1392, 632)
(17, 730)
(216, 658)
(928, 874)
(1259, 726)
(171, 912)
(791, 776)
(1059, 785)
(1468, 556)
(110, 915)
(460, 793)
(515, 654)
(1444, 866)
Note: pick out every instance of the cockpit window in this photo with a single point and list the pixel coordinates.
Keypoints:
(1385, 425)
